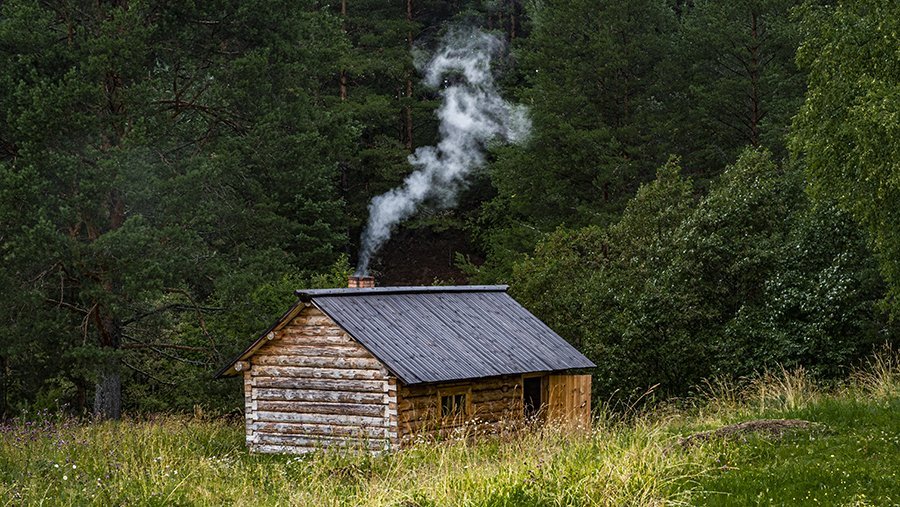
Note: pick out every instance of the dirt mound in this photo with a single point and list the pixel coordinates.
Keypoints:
(771, 427)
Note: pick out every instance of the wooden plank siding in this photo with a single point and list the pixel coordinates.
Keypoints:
(569, 401)
(313, 386)
(494, 405)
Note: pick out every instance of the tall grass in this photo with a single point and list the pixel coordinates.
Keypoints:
(782, 389)
(880, 377)
(183, 460)
(180, 460)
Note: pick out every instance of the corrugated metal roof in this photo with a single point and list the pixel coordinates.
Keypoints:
(438, 334)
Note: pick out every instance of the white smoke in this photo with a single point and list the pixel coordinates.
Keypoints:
(471, 114)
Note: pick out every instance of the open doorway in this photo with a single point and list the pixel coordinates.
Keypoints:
(532, 396)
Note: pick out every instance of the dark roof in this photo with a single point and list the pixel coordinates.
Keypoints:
(438, 334)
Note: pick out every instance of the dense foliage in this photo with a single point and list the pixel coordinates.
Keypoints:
(848, 131)
(171, 172)
(684, 288)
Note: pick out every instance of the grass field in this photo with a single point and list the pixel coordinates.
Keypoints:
(850, 457)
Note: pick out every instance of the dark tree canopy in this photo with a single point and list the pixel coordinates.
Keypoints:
(171, 172)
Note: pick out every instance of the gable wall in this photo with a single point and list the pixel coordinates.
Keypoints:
(496, 406)
(313, 386)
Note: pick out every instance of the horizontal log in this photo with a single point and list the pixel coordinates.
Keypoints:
(323, 442)
(318, 430)
(349, 363)
(336, 350)
(318, 341)
(418, 417)
(303, 407)
(312, 320)
(288, 449)
(320, 373)
(326, 330)
(316, 395)
(428, 425)
(482, 394)
(478, 408)
(481, 427)
(500, 408)
(510, 383)
(495, 411)
(426, 434)
(495, 395)
(417, 405)
(280, 449)
(346, 420)
(360, 386)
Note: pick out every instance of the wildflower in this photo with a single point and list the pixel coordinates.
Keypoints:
(65, 477)
(56, 465)
(74, 467)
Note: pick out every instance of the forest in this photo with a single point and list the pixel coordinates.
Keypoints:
(708, 188)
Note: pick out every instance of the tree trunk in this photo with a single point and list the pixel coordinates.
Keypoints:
(108, 393)
(343, 78)
(512, 19)
(754, 71)
(409, 85)
(3, 384)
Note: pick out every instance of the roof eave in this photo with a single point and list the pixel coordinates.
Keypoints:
(511, 374)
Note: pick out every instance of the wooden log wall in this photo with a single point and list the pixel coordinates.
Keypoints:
(569, 401)
(495, 404)
(313, 386)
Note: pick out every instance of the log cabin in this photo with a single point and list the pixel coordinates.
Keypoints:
(375, 368)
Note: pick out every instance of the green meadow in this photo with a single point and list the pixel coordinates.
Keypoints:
(848, 455)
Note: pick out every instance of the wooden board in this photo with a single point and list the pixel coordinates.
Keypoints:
(569, 401)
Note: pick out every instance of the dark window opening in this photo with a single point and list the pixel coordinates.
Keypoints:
(453, 405)
(531, 391)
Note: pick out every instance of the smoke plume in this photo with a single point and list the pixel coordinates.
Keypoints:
(471, 114)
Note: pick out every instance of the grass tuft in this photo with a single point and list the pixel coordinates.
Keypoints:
(880, 378)
(783, 389)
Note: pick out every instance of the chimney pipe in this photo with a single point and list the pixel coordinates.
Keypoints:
(361, 282)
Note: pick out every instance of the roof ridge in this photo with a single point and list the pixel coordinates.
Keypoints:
(307, 294)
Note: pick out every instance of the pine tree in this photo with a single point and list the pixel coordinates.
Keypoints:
(156, 157)
(590, 72)
(734, 81)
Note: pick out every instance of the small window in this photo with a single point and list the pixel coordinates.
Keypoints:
(453, 405)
